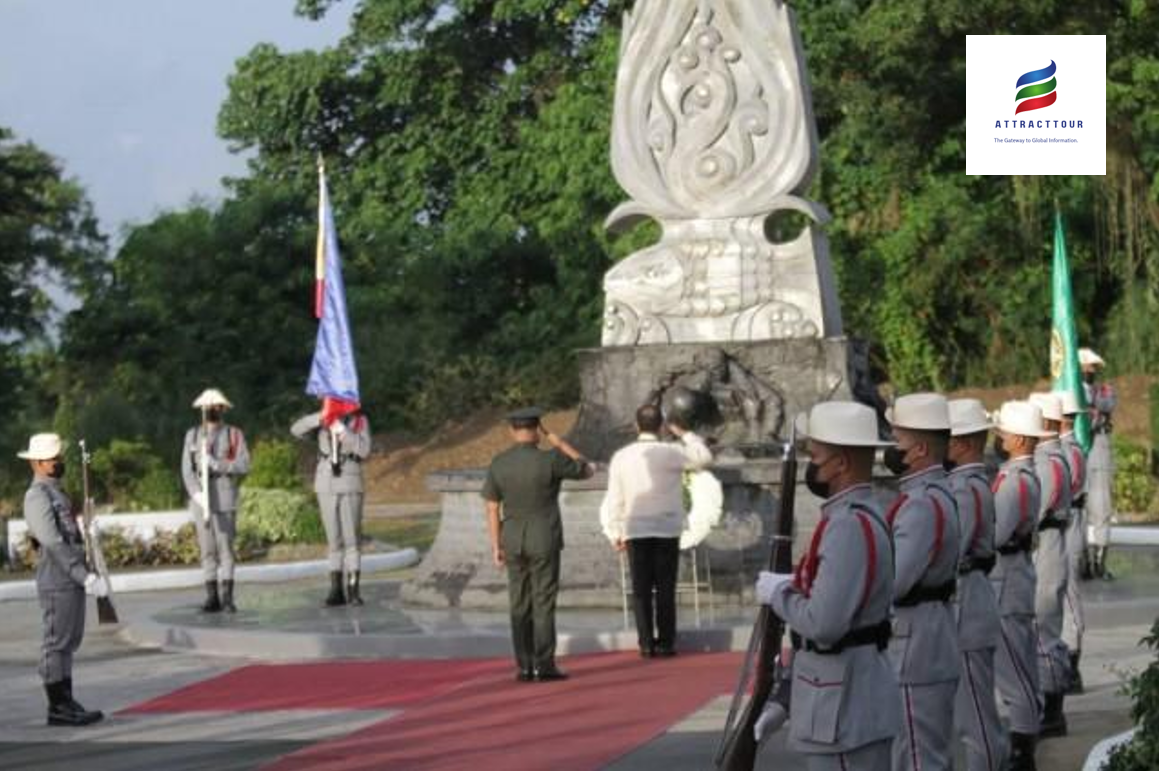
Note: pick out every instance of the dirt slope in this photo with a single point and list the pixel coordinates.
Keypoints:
(396, 472)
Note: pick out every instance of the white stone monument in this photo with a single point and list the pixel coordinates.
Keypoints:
(712, 133)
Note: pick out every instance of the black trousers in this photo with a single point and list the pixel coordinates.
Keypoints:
(654, 563)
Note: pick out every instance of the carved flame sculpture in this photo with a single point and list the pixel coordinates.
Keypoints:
(713, 131)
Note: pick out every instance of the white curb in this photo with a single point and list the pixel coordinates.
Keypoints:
(188, 577)
(1134, 535)
(1101, 752)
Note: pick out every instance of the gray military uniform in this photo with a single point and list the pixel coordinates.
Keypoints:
(229, 461)
(979, 627)
(1074, 620)
(60, 575)
(1100, 467)
(839, 718)
(1050, 565)
(924, 649)
(340, 487)
(1016, 501)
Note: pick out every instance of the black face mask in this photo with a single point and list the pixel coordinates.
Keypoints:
(1000, 451)
(894, 459)
(949, 465)
(57, 471)
(815, 485)
(213, 416)
(1089, 377)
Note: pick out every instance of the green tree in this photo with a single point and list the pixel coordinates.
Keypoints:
(48, 236)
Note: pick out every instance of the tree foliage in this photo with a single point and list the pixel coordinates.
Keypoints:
(48, 237)
(467, 148)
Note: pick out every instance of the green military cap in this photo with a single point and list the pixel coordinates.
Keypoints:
(525, 414)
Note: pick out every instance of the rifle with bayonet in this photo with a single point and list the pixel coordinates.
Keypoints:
(738, 746)
(94, 554)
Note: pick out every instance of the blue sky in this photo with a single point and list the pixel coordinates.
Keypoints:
(125, 92)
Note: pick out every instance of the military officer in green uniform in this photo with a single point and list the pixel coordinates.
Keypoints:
(522, 495)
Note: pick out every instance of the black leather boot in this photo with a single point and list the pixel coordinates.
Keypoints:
(1022, 752)
(1076, 676)
(1053, 720)
(353, 593)
(212, 601)
(1103, 572)
(91, 716)
(335, 598)
(227, 597)
(59, 711)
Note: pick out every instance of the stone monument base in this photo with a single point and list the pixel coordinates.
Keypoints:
(745, 392)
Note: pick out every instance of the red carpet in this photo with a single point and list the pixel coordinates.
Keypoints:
(612, 704)
(335, 685)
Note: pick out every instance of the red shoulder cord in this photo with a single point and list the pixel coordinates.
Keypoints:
(891, 515)
(807, 568)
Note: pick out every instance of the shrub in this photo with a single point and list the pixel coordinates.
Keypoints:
(274, 466)
(131, 476)
(1134, 486)
(1142, 752)
(268, 516)
(177, 547)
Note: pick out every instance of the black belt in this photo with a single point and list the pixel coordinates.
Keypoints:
(877, 634)
(1053, 522)
(977, 564)
(1017, 545)
(919, 594)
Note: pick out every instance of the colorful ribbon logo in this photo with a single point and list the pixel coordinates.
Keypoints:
(1038, 95)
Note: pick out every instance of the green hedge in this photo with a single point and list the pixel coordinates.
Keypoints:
(274, 465)
(1134, 487)
(1153, 402)
(278, 516)
(131, 476)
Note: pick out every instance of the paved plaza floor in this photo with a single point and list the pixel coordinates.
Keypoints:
(248, 703)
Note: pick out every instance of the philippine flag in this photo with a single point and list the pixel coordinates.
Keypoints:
(333, 374)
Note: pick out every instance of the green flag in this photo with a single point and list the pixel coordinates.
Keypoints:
(1064, 348)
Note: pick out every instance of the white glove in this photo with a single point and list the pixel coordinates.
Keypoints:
(772, 717)
(96, 585)
(338, 428)
(201, 500)
(768, 585)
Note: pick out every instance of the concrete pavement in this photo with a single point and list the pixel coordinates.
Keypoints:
(112, 675)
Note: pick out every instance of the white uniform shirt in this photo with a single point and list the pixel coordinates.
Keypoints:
(646, 487)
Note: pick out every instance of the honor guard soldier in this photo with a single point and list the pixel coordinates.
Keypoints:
(837, 603)
(215, 453)
(342, 447)
(526, 530)
(61, 577)
(924, 521)
(1050, 565)
(1100, 462)
(979, 627)
(1074, 622)
(1018, 428)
